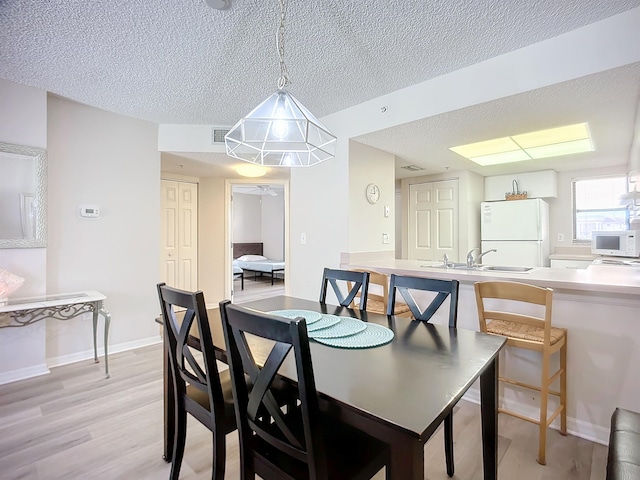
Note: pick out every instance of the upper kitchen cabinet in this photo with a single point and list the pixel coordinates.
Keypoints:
(541, 184)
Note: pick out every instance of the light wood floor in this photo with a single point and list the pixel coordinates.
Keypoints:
(75, 424)
(257, 289)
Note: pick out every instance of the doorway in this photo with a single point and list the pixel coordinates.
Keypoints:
(258, 217)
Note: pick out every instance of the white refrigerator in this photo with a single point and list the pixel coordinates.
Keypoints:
(518, 230)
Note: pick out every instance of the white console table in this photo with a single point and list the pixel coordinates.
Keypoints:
(21, 312)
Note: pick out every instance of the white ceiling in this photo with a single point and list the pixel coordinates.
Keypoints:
(179, 61)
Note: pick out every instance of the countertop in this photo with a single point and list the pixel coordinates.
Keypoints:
(605, 279)
(569, 256)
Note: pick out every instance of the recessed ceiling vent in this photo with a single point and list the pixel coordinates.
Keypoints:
(218, 134)
(413, 168)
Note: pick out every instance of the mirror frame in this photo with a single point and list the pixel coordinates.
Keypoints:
(40, 197)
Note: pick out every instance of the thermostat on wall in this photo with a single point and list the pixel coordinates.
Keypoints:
(89, 211)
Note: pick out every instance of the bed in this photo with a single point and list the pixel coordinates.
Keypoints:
(239, 273)
(249, 257)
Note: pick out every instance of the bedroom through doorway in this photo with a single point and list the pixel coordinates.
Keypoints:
(257, 225)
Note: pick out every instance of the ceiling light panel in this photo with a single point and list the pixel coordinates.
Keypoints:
(488, 147)
(559, 149)
(553, 135)
(499, 158)
(552, 142)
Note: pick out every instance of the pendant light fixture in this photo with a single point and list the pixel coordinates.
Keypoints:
(280, 131)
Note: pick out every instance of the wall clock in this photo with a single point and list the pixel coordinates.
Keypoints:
(373, 193)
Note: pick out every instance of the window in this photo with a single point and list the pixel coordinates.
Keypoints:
(596, 206)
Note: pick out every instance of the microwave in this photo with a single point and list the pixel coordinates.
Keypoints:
(624, 243)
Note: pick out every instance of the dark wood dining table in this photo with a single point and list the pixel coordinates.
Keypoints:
(399, 392)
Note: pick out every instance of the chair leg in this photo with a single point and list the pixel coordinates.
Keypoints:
(448, 443)
(563, 388)
(179, 441)
(544, 397)
(219, 455)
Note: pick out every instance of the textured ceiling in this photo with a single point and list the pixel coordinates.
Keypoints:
(179, 61)
(607, 101)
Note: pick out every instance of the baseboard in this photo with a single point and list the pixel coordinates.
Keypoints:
(88, 354)
(575, 427)
(23, 373)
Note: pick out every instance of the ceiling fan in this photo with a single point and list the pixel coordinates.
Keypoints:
(260, 190)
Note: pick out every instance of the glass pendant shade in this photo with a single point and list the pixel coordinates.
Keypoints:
(280, 132)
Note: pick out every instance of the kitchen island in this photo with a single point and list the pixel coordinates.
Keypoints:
(600, 307)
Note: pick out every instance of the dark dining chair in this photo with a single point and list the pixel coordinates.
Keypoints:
(298, 442)
(358, 284)
(201, 391)
(443, 289)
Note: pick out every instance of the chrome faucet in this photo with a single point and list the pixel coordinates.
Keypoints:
(474, 261)
(445, 260)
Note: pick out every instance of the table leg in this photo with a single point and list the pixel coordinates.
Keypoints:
(489, 411)
(407, 460)
(99, 310)
(169, 403)
(96, 309)
(107, 323)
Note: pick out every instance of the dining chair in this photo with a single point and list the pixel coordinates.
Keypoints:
(200, 390)
(299, 442)
(497, 304)
(359, 283)
(377, 300)
(443, 289)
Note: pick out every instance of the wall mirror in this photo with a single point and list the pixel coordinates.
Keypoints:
(23, 196)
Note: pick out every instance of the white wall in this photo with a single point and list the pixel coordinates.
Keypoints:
(319, 206)
(247, 218)
(101, 158)
(273, 226)
(23, 121)
(367, 222)
(212, 241)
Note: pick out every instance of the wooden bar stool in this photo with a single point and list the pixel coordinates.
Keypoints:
(376, 301)
(532, 333)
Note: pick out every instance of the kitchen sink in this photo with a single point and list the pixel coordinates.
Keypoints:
(491, 268)
(455, 266)
(481, 268)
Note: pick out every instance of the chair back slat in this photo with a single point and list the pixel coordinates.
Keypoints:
(442, 288)
(358, 284)
(295, 431)
(517, 294)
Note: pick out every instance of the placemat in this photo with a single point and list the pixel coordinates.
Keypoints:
(325, 322)
(345, 327)
(372, 336)
(308, 315)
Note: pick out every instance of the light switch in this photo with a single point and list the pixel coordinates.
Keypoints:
(303, 239)
(386, 210)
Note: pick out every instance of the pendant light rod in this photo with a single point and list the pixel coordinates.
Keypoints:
(283, 81)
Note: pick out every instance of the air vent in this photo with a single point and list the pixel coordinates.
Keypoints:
(413, 168)
(218, 134)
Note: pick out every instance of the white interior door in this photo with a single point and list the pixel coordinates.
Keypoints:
(179, 234)
(433, 220)
(188, 236)
(169, 233)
